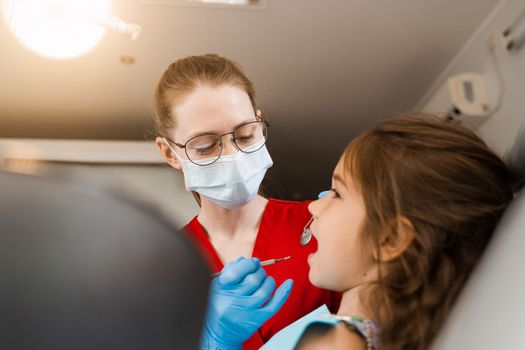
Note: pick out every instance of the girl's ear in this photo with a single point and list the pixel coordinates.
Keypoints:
(397, 240)
(167, 152)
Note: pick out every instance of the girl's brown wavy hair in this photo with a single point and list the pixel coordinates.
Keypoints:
(453, 189)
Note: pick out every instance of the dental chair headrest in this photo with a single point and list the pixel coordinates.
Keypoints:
(489, 311)
(81, 270)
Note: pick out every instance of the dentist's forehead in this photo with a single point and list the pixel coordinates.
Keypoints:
(211, 109)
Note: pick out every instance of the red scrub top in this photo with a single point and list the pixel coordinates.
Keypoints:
(281, 226)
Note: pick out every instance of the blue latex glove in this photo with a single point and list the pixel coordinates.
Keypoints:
(240, 302)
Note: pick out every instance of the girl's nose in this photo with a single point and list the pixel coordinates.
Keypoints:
(314, 206)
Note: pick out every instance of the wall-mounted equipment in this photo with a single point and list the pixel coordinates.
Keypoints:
(514, 35)
(463, 96)
(468, 93)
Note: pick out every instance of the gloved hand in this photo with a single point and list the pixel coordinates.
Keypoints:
(240, 303)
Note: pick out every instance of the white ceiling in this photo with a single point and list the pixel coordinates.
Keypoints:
(323, 71)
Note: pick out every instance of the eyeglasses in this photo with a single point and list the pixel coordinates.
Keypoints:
(206, 149)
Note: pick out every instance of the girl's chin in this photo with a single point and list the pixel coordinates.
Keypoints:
(316, 275)
(312, 274)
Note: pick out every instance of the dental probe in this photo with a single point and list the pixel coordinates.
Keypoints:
(263, 263)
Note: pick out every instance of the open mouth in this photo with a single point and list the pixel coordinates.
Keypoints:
(311, 255)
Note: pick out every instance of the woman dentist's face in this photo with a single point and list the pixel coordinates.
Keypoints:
(340, 262)
(210, 109)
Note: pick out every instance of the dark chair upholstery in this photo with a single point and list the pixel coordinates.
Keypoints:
(82, 270)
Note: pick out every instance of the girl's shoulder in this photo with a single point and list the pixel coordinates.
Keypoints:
(367, 329)
(321, 325)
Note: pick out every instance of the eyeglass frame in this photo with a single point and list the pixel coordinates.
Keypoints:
(232, 132)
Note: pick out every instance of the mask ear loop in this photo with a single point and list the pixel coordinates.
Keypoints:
(196, 195)
(169, 146)
(172, 150)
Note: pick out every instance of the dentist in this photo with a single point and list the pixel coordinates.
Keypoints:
(209, 127)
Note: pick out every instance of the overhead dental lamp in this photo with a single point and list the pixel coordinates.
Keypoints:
(63, 29)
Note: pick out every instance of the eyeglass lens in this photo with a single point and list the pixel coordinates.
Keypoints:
(206, 149)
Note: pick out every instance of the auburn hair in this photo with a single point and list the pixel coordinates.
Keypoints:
(185, 74)
(453, 189)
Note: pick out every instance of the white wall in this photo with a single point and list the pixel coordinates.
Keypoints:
(133, 168)
(504, 70)
(157, 186)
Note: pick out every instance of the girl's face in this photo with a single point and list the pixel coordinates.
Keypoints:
(210, 109)
(341, 261)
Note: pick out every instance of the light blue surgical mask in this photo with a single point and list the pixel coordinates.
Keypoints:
(232, 181)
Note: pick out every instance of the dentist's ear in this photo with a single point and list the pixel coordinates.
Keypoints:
(258, 114)
(167, 152)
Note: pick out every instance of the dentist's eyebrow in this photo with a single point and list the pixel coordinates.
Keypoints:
(200, 133)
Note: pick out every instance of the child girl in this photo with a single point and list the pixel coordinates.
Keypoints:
(413, 203)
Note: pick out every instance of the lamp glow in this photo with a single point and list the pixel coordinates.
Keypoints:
(58, 29)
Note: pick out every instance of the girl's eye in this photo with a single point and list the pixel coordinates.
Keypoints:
(336, 194)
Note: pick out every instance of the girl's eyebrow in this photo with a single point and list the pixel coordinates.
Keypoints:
(338, 178)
